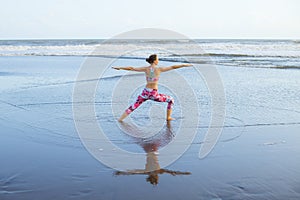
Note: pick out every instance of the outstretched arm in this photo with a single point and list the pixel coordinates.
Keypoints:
(175, 172)
(132, 172)
(137, 69)
(164, 69)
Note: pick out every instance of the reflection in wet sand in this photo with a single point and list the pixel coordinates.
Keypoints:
(152, 167)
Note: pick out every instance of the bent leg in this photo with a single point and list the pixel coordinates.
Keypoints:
(164, 98)
(168, 99)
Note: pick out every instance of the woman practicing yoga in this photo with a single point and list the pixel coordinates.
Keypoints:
(152, 73)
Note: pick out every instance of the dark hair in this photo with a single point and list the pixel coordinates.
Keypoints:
(151, 58)
(152, 178)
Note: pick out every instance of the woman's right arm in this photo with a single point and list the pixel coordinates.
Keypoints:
(165, 69)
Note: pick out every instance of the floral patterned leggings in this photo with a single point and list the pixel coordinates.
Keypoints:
(151, 94)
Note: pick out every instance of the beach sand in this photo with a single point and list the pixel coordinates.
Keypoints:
(42, 157)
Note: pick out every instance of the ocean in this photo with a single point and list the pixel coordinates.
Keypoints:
(42, 149)
(279, 54)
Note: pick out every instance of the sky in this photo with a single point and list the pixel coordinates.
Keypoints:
(97, 19)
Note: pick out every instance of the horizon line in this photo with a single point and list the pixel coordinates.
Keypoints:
(256, 38)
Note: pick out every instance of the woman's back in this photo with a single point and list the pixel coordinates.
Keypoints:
(152, 77)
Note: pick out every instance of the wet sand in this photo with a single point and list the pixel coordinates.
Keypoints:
(42, 156)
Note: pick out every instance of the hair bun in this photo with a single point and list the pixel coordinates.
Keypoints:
(151, 58)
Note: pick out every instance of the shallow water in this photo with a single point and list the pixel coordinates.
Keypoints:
(42, 156)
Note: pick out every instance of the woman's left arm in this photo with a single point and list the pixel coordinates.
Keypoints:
(137, 69)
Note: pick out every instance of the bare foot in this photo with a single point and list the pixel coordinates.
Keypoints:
(170, 119)
(123, 116)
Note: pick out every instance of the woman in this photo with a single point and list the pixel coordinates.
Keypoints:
(152, 73)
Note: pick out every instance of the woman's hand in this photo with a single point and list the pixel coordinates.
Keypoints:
(187, 65)
(116, 68)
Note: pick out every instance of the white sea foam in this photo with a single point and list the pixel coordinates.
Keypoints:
(267, 53)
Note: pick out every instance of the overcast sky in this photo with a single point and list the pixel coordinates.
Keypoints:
(85, 19)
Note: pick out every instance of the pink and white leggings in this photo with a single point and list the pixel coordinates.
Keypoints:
(151, 94)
